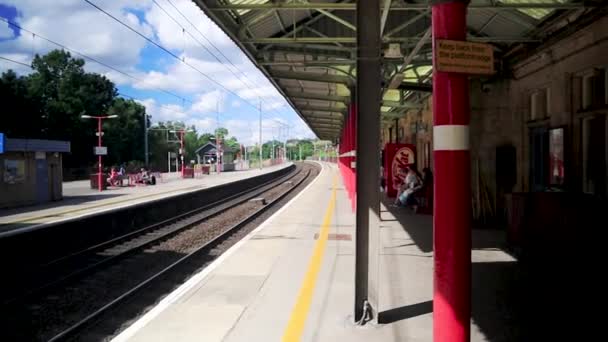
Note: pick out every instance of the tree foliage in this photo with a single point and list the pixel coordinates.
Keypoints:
(49, 104)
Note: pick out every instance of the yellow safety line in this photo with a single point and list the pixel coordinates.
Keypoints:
(105, 204)
(295, 327)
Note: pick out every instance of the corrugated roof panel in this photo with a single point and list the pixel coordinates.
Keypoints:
(266, 27)
(477, 19)
(36, 145)
(332, 28)
(288, 17)
(502, 25)
(243, 12)
(536, 13)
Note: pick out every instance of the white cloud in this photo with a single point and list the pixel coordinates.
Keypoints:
(5, 31)
(204, 125)
(79, 26)
(183, 78)
(164, 112)
(209, 102)
(191, 41)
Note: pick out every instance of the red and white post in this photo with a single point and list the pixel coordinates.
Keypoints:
(451, 220)
(99, 166)
(182, 151)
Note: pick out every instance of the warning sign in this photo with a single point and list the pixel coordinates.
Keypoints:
(464, 57)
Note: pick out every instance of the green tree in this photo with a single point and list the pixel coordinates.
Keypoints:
(124, 135)
(232, 142)
(49, 103)
(22, 113)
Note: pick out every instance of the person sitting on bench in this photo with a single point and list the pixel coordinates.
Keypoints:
(113, 177)
(146, 178)
(411, 185)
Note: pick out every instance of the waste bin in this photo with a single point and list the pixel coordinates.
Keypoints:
(94, 178)
(188, 172)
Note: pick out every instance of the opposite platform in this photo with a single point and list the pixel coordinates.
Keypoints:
(80, 200)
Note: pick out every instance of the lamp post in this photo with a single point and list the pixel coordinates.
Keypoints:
(146, 153)
(218, 150)
(181, 133)
(99, 134)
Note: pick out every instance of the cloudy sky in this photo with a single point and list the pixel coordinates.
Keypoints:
(201, 71)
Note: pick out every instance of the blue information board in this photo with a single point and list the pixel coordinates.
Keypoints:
(1, 142)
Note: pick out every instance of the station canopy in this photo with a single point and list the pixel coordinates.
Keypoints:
(307, 49)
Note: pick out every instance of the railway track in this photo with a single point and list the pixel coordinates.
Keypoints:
(100, 278)
(53, 273)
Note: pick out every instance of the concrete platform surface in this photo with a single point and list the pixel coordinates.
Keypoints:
(292, 279)
(80, 200)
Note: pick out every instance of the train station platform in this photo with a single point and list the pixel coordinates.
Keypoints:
(80, 200)
(292, 279)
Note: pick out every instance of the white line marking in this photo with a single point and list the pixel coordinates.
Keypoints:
(451, 138)
(197, 278)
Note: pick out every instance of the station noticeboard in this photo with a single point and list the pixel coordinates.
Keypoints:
(1, 143)
(101, 150)
(464, 57)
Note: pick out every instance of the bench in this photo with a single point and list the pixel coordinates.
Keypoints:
(424, 197)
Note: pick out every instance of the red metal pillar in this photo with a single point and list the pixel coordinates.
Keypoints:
(220, 155)
(99, 167)
(452, 232)
(181, 151)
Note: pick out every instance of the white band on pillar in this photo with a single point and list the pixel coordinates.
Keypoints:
(451, 138)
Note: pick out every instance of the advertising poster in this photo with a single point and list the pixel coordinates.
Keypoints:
(396, 158)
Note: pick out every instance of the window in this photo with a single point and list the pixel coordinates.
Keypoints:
(556, 156)
(594, 93)
(595, 155)
(14, 171)
(587, 91)
(539, 102)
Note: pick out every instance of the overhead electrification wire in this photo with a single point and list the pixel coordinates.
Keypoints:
(16, 62)
(211, 43)
(92, 59)
(120, 93)
(167, 51)
(207, 49)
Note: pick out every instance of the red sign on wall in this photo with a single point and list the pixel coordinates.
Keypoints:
(396, 158)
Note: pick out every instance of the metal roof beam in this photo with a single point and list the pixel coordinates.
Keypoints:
(252, 21)
(386, 7)
(319, 34)
(416, 87)
(332, 123)
(395, 7)
(352, 40)
(301, 42)
(337, 126)
(337, 19)
(400, 27)
(312, 115)
(308, 63)
(307, 76)
(311, 96)
(329, 131)
(397, 104)
(267, 55)
(398, 77)
(325, 123)
(322, 109)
